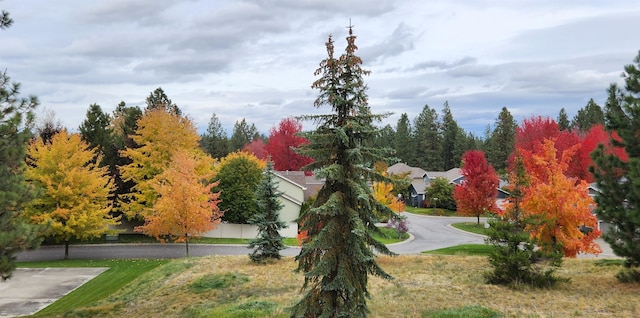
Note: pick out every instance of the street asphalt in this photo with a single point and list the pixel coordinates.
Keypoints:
(23, 294)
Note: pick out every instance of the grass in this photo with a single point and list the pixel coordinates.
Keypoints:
(424, 286)
(430, 211)
(463, 249)
(119, 274)
(472, 227)
(390, 236)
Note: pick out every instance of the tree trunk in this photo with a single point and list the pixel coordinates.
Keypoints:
(66, 249)
(186, 243)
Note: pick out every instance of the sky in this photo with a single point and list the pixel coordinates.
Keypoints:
(256, 59)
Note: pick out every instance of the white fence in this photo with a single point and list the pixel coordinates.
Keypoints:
(246, 231)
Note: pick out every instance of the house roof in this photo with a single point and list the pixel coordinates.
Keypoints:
(310, 184)
(451, 175)
(401, 168)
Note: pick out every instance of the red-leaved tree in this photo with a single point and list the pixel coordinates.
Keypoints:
(477, 193)
(281, 144)
(257, 148)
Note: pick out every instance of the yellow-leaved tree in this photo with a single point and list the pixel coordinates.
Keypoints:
(383, 193)
(160, 135)
(74, 191)
(186, 206)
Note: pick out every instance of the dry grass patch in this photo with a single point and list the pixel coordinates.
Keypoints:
(423, 283)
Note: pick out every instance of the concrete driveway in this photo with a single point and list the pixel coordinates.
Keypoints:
(31, 289)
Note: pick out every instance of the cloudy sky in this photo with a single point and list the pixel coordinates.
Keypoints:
(255, 59)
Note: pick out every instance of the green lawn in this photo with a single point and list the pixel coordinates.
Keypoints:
(463, 249)
(472, 227)
(119, 274)
(390, 236)
(430, 211)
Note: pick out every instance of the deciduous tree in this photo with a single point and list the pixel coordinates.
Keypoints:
(239, 174)
(439, 194)
(75, 192)
(479, 189)
(187, 206)
(282, 145)
(338, 256)
(561, 204)
(269, 242)
(159, 136)
(16, 115)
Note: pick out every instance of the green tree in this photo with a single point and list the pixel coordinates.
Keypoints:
(402, 141)
(502, 140)
(563, 120)
(338, 255)
(16, 115)
(97, 131)
(74, 190)
(427, 141)
(269, 242)
(588, 116)
(439, 194)
(386, 137)
(618, 181)
(215, 141)
(452, 139)
(159, 100)
(239, 174)
(124, 123)
(243, 133)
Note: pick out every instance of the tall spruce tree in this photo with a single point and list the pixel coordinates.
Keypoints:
(588, 116)
(158, 99)
(427, 140)
(451, 139)
(215, 141)
(269, 242)
(338, 255)
(563, 120)
(402, 140)
(618, 200)
(502, 140)
(16, 115)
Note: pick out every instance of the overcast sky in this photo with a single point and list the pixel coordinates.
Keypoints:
(255, 59)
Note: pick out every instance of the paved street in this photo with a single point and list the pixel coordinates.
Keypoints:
(428, 233)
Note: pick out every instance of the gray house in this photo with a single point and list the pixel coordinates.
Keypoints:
(420, 180)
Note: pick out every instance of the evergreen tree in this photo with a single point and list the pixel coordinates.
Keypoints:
(338, 254)
(402, 140)
(96, 130)
(159, 100)
(386, 137)
(427, 141)
(215, 141)
(269, 242)
(563, 120)
(618, 181)
(16, 114)
(502, 140)
(451, 139)
(124, 123)
(613, 108)
(588, 116)
(243, 133)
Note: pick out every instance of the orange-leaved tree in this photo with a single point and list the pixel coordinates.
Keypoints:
(560, 204)
(159, 135)
(479, 189)
(187, 207)
(383, 193)
(74, 200)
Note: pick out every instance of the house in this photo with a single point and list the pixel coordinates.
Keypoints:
(293, 196)
(420, 180)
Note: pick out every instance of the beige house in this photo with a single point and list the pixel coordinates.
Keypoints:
(293, 195)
